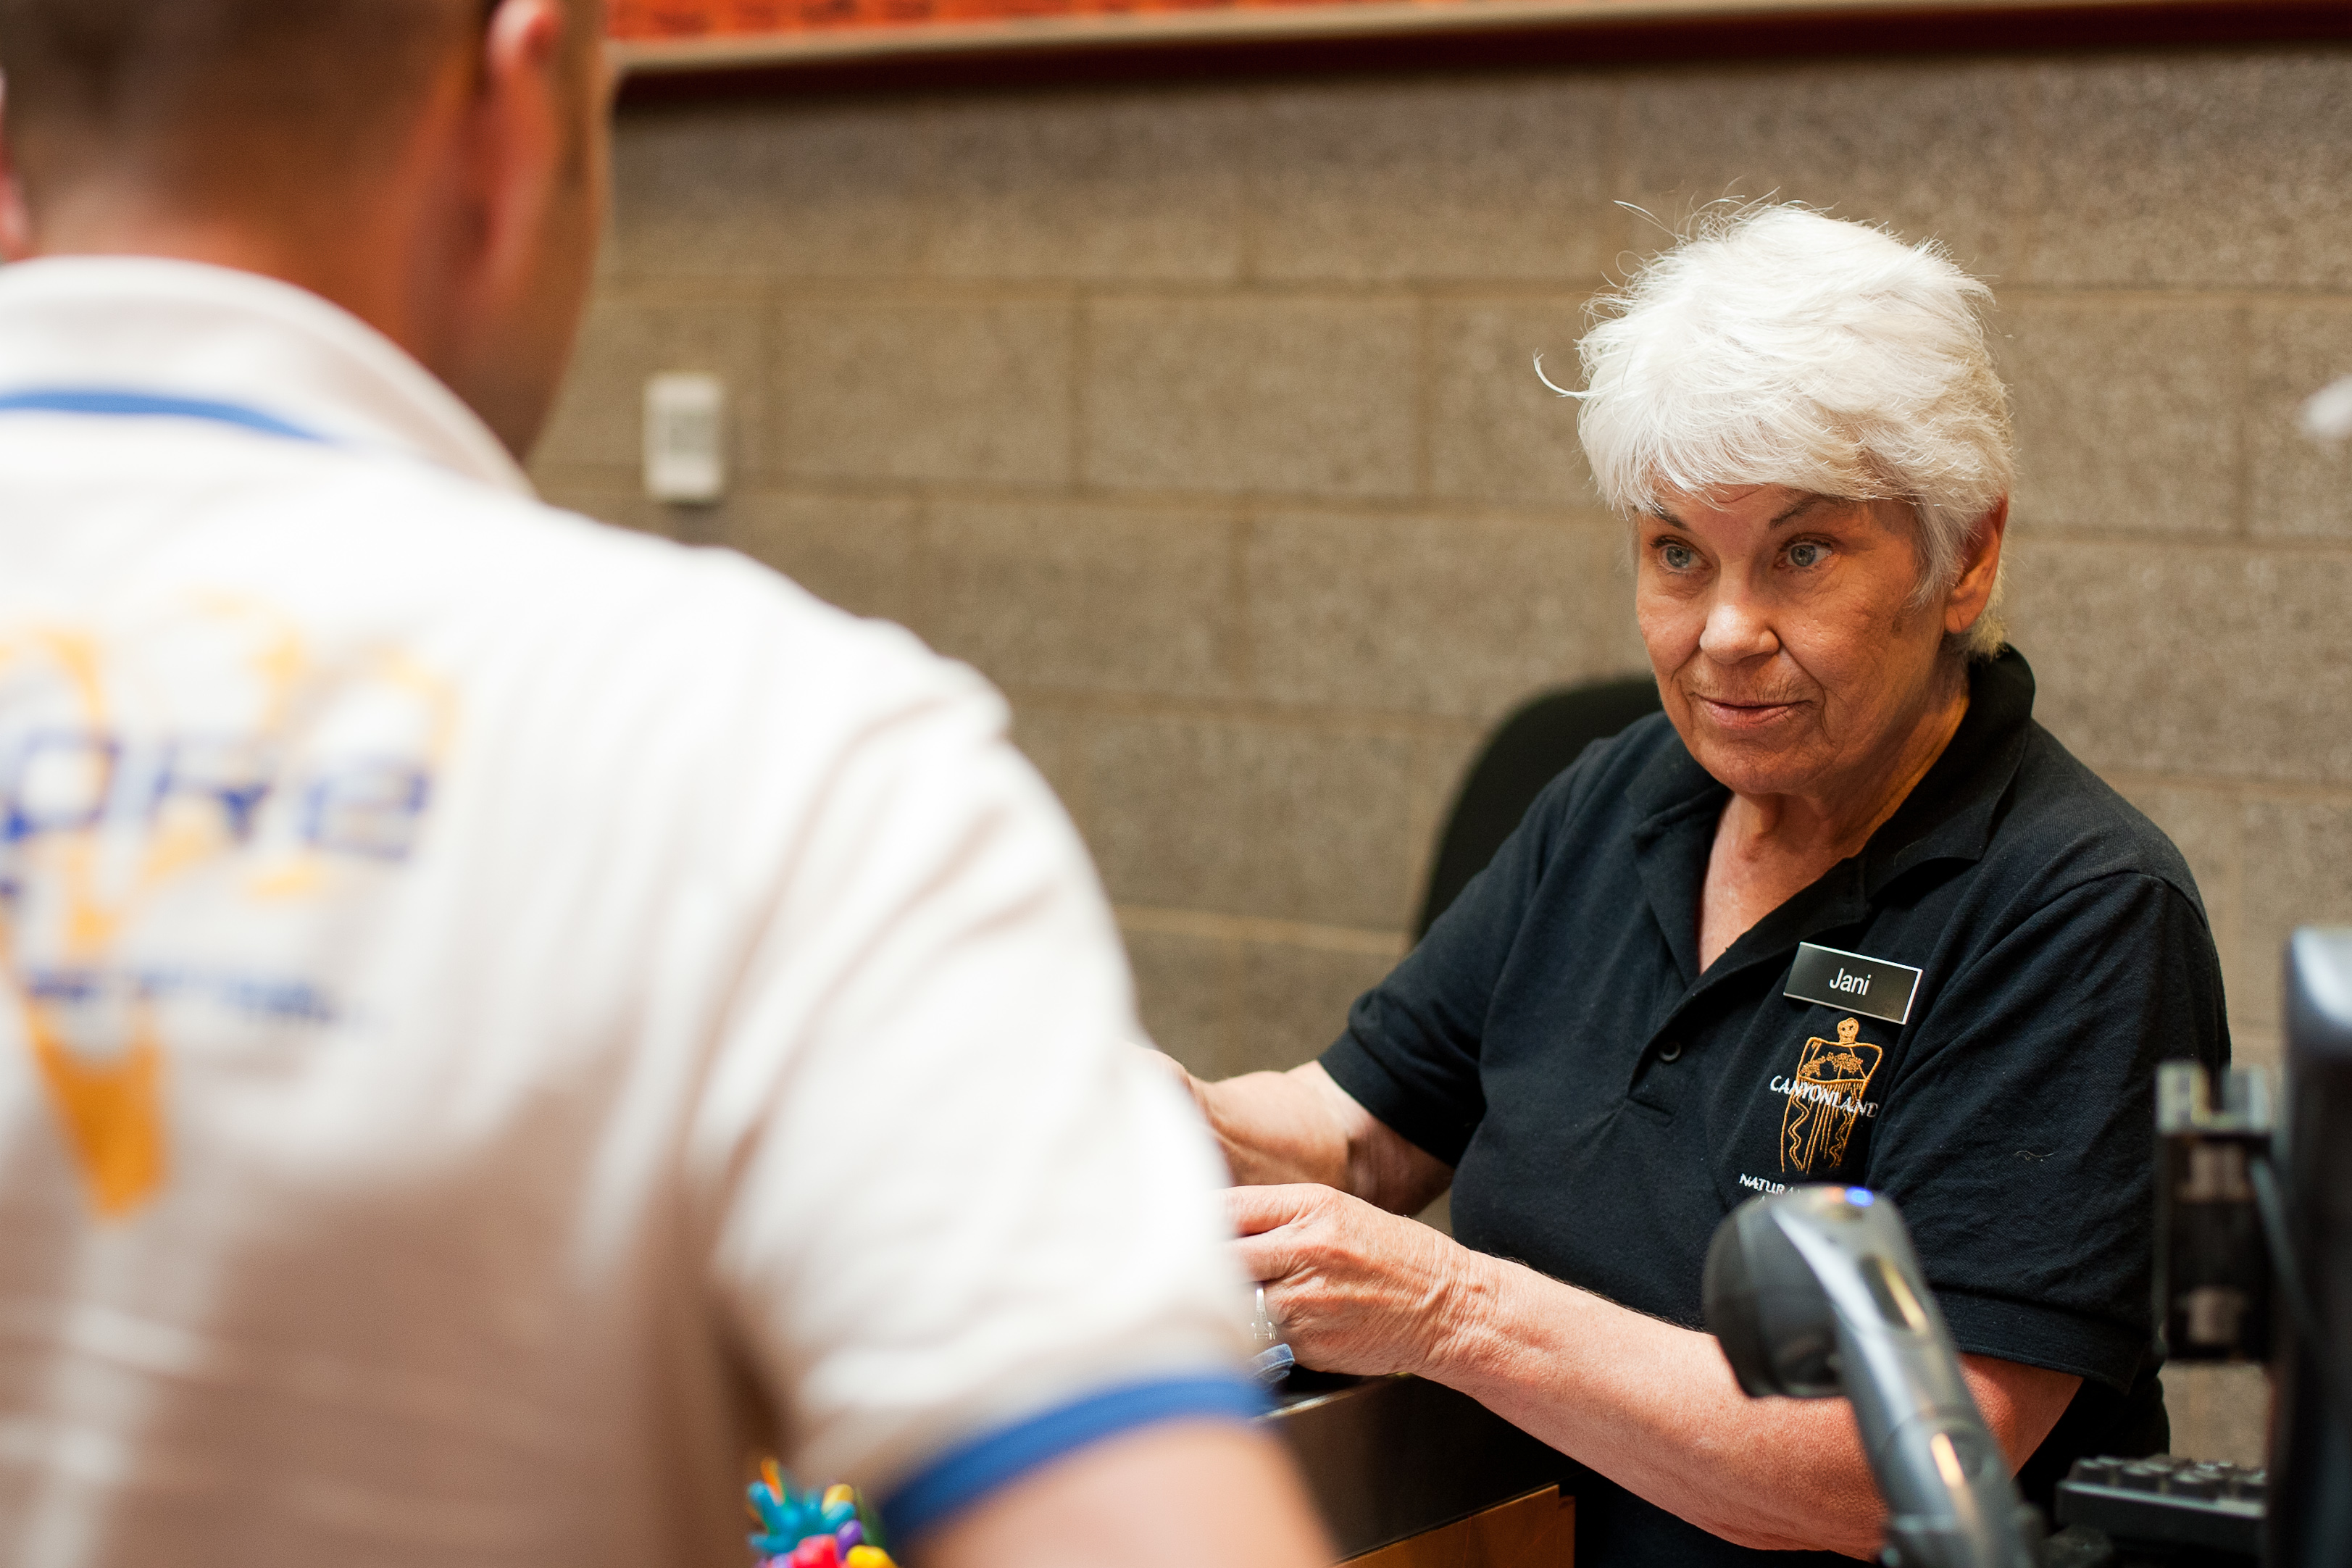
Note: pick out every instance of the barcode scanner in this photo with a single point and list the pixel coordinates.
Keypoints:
(1815, 1293)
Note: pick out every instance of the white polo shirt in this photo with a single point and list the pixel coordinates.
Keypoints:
(501, 1018)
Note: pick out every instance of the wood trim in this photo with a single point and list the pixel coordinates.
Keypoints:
(1537, 1531)
(1401, 36)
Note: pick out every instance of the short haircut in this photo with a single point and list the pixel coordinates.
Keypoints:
(202, 100)
(1775, 345)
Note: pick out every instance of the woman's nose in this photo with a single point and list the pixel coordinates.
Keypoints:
(1736, 630)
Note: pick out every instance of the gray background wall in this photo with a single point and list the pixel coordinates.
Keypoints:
(1202, 420)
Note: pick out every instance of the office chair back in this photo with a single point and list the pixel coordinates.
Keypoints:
(1532, 748)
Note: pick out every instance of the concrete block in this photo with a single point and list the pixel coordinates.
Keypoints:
(2258, 1045)
(2218, 1412)
(1099, 186)
(1085, 598)
(2227, 663)
(2298, 873)
(938, 391)
(1238, 817)
(599, 418)
(1289, 396)
(1441, 764)
(2128, 414)
(1496, 433)
(1928, 149)
(1457, 616)
(1294, 1000)
(859, 553)
(2192, 170)
(1184, 987)
(1486, 177)
(594, 496)
(2295, 485)
(1053, 736)
(773, 191)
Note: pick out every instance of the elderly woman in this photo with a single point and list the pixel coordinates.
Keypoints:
(1844, 912)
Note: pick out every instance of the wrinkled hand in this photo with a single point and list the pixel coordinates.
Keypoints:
(1354, 1289)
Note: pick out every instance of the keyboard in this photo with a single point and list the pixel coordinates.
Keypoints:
(2168, 1502)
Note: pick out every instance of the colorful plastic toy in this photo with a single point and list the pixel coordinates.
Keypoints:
(812, 1530)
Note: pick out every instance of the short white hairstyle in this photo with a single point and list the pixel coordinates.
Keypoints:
(1776, 345)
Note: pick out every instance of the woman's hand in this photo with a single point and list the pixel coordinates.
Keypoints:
(1354, 1288)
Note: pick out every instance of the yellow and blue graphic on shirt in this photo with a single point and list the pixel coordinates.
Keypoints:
(191, 801)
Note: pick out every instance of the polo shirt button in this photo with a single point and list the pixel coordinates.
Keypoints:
(1671, 1051)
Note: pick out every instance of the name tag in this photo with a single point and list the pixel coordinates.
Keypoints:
(1870, 986)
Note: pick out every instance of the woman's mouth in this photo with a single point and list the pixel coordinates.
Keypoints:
(1743, 714)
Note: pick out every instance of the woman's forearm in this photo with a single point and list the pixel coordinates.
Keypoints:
(1276, 1127)
(1655, 1408)
(1651, 1406)
(1280, 1128)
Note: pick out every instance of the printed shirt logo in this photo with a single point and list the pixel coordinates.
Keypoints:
(1825, 1100)
(192, 805)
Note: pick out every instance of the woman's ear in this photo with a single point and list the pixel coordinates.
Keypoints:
(1979, 570)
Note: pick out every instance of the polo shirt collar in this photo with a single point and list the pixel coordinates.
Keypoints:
(1950, 815)
(157, 327)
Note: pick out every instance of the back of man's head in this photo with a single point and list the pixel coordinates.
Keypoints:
(212, 103)
(433, 166)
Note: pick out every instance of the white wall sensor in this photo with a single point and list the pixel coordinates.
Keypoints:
(685, 423)
(2327, 414)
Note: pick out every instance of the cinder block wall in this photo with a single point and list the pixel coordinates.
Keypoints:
(1201, 419)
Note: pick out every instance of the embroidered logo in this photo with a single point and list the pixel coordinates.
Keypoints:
(1825, 1098)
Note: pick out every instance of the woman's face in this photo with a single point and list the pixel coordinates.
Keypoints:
(1788, 649)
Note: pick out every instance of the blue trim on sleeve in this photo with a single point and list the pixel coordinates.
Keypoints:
(971, 1471)
(112, 404)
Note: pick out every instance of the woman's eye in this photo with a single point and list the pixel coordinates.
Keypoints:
(1806, 553)
(1677, 557)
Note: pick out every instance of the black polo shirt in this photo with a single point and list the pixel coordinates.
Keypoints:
(1605, 1104)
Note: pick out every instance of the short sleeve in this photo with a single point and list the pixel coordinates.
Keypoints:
(1409, 1052)
(959, 1224)
(2018, 1141)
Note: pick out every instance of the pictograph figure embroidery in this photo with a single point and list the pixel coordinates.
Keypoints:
(1825, 1098)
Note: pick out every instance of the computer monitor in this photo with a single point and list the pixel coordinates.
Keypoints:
(2310, 1523)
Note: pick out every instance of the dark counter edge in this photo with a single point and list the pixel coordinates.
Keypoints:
(1390, 1458)
(1488, 44)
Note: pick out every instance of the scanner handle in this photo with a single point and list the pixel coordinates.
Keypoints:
(1795, 1273)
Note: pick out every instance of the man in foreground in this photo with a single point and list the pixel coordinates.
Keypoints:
(500, 1019)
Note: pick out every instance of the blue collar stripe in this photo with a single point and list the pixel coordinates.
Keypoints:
(108, 403)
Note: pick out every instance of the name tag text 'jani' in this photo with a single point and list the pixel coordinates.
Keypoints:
(1874, 987)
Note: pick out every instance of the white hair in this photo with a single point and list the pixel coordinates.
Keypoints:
(1774, 345)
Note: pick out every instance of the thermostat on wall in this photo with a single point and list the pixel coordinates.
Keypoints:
(686, 459)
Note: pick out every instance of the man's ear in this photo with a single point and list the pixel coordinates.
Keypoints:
(1979, 570)
(16, 217)
(519, 144)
